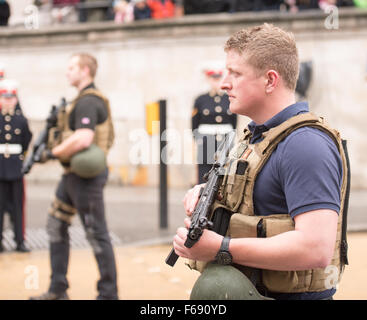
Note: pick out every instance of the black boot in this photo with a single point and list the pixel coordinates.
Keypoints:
(21, 247)
(51, 296)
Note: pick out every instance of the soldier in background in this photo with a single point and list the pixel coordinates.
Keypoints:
(2, 77)
(87, 121)
(2, 71)
(15, 137)
(211, 119)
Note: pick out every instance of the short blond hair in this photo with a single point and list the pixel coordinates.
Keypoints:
(87, 60)
(268, 47)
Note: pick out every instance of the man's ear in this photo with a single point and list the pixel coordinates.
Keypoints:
(272, 78)
(86, 71)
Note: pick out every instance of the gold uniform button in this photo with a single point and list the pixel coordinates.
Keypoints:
(8, 136)
(7, 127)
(7, 118)
(218, 109)
(218, 119)
(217, 99)
(17, 131)
(206, 112)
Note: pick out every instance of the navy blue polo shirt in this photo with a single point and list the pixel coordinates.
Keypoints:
(303, 173)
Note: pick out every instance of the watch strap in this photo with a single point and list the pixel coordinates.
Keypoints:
(225, 244)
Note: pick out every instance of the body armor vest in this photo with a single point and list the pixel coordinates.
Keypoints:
(103, 134)
(236, 194)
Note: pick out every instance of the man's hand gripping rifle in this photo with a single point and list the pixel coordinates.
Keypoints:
(40, 146)
(201, 214)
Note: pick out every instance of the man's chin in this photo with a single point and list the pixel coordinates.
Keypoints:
(233, 108)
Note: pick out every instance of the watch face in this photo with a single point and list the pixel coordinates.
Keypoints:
(224, 257)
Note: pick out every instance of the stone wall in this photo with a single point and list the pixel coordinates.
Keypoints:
(150, 60)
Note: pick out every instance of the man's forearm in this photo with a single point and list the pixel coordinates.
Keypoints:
(78, 141)
(283, 252)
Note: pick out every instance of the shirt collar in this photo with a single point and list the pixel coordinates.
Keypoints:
(89, 86)
(279, 118)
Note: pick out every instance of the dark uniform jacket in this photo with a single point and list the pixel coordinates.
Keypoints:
(210, 112)
(212, 109)
(14, 130)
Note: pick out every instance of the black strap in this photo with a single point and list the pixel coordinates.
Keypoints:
(256, 276)
(220, 219)
(344, 243)
(225, 244)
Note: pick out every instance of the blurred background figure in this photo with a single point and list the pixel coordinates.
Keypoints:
(324, 4)
(63, 11)
(161, 9)
(266, 5)
(2, 71)
(360, 3)
(215, 6)
(304, 79)
(141, 10)
(95, 10)
(295, 6)
(14, 141)
(211, 118)
(4, 13)
(44, 12)
(124, 11)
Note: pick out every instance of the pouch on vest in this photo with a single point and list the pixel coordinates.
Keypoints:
(233, 184)
(244, 226)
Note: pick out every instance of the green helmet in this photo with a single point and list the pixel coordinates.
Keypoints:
(89, 162)
(219, 282)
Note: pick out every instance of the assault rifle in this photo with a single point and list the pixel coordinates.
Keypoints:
(200, 218)
(41, 143)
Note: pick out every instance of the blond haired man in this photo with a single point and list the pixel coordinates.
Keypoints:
(85, 121)
(283, 228)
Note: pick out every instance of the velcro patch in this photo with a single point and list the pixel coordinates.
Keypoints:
(85, 120)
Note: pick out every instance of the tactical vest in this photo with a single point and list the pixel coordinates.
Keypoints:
(104, 132)
(236, 194)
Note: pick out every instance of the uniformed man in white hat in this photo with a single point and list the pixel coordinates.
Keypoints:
(211, 118)
(15, 137)
(2, 71)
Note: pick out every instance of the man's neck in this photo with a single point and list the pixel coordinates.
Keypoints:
(84, 83)
(273, 106)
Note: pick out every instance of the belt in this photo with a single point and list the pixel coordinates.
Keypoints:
(215, 128)
(7, 148)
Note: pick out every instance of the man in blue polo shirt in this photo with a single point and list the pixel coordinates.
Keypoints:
(302, 178)
(303, 174)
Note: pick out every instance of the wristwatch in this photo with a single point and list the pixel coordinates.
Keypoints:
(223, 256)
